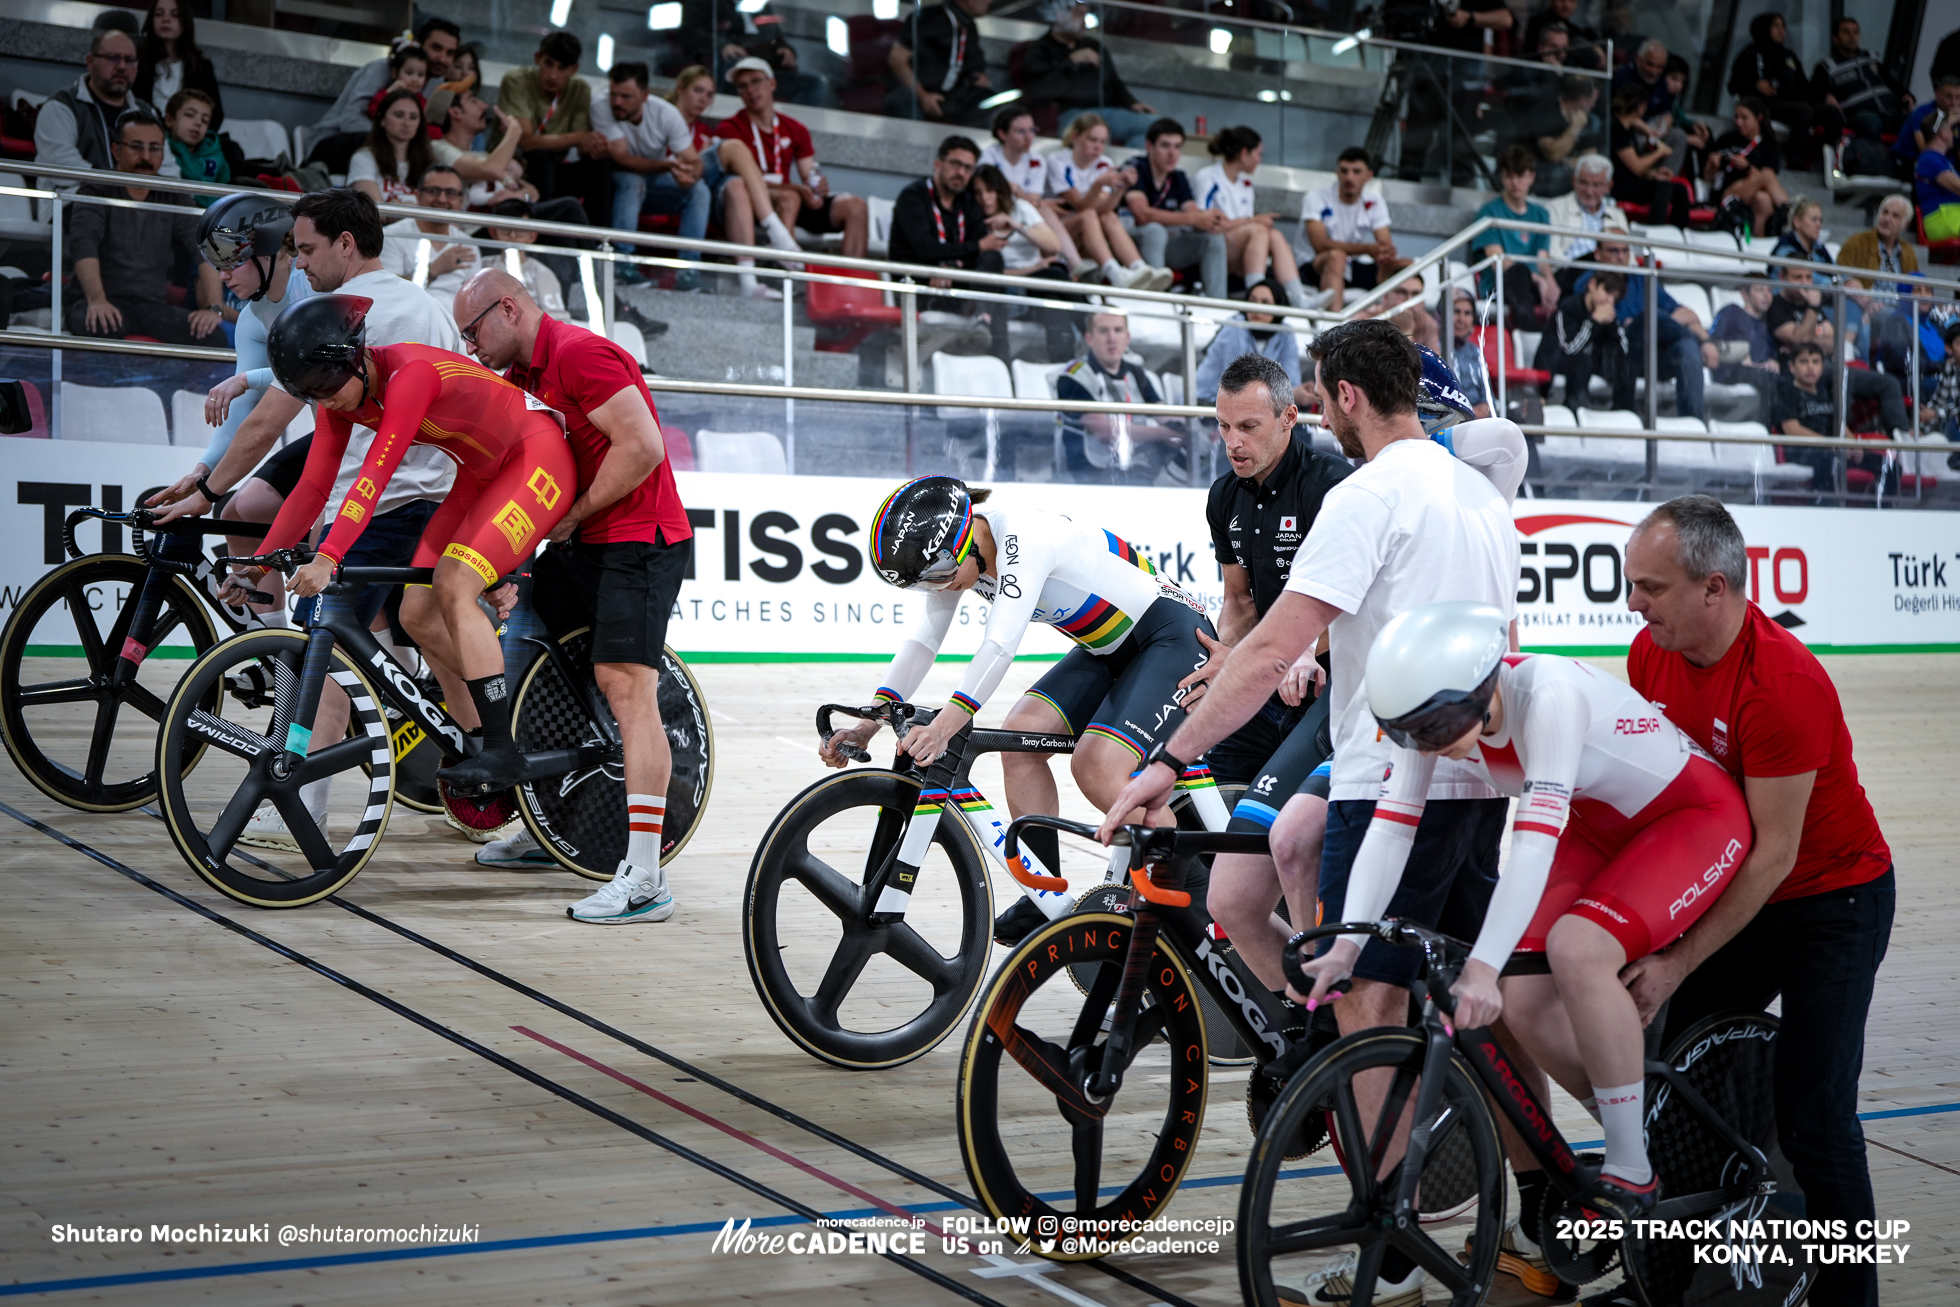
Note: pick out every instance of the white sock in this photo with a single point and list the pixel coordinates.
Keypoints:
(277, 619)
(314, 795)
(1139, 266)
(1591, 1104)
(1296, 293)
(1254, 280)
(779, 235)
(1112, 269)
(1621, 1110)
(644, 815)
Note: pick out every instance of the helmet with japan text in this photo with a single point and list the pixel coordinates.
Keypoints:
(317, 344)
(923, 532)
(1431, 671)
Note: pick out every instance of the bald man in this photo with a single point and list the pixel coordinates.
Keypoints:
(615, 562)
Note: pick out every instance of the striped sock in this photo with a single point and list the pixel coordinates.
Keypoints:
(644, 813)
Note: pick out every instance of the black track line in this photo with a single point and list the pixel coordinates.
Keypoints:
(702, 1074)
(489, 1055)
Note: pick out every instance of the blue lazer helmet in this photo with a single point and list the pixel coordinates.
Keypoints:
(1442, 403)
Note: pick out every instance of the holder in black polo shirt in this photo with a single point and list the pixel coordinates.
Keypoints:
(1259, 526)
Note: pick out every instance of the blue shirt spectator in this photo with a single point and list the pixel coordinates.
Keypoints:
(1251, 332)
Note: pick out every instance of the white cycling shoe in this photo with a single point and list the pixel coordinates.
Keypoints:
(633, 894)
(1334, 1283)
(268, 830)
(520, 851)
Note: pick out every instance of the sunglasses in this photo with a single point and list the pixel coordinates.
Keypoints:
(440, 192)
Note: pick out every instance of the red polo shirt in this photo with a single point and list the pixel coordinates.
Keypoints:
(1768, 709)
(575, 371)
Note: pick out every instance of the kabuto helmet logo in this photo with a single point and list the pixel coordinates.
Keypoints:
(923, 531)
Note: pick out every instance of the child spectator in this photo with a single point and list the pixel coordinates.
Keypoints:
(1745, 348)
(1530, 294)
(408, 70)
(1588, 337)
(1803, 408)
(199, 155)
(1743, 168)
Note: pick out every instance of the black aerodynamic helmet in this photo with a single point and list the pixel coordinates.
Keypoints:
(241, 227)
(923, 531)
(315, 345)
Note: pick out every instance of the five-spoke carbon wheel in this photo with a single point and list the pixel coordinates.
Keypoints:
(79, 720)
(1298, 1225)
(853, 994)
(244, 772)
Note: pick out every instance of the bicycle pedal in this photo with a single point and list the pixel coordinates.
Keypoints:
(250, 686)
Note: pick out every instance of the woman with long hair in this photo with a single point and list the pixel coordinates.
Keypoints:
(1090, 187)
(742, 207)
(389, 166)
(1744, 165)
(1250, 236)
(168, 60)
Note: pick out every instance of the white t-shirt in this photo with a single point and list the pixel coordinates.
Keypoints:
(401, 254)
(394, 190)
(660, 133)
(1065, 174)
(168, 80)
(1232, 197)
(1356, 223)
(1030, 175)
(403, 313)
(1020, 252)
(1414, 526)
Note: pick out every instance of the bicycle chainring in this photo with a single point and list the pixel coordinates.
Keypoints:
(480, 812)
(1576, 1261)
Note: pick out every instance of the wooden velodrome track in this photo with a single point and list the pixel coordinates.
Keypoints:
(159, 1068)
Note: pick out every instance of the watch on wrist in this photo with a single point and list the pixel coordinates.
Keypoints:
(204, 488)
(1160, 752)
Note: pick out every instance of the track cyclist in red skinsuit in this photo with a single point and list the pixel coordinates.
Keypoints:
(1625, 834)
(514, 479)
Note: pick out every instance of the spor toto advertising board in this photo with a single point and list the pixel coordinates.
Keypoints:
(780, 571)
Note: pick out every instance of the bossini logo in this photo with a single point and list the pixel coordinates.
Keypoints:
(413, 693)
(1228, 980)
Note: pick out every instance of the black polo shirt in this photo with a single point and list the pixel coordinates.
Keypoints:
(1260, 527)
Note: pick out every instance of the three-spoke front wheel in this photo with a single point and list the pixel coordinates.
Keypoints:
(854, 994)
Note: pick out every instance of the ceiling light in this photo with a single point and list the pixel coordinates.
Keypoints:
(1221, 40)
(604, 57)
(664, 17)
(837, 35)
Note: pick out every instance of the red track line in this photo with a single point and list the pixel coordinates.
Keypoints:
(727, 1129)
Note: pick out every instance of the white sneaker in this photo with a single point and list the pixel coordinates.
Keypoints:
(634, 894)
(268, 830)
(755, 290)
(520, 851)
(1132, 278)
(1334, 1283)
(1085, 270)
(1159, 279)
(1317, 298)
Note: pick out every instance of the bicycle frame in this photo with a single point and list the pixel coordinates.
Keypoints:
(140, 630)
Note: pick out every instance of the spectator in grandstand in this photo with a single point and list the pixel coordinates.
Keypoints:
(1252, 332)
(1429, 132)
(1074, 73)
(1942, 412)
(656, 168)
(1031, 249)
(1803, 238)
(168, 61)
(1804, 408)
(1769, 69)
(1936, 184)
(1027, 172)
(430, 253)
(1347, 229)
(1682, 343)
(1856, 83)
(1797, 315)
(1641, 174)
(1554, 128)
(1658, 111)
(538, 278)
(1584, 42)
(939, 65)
(1466, 354)
(1743, 169)
(1172, 229)
(77, 124)
(1119, 448)
(492, 175)
(1913, 132)
(742, 195)
(1402, 305)
(399, 136)
(1882, 247)
(408, 70)
(1530, 293)
(564, 156)
(1226, 187)
(798, 192)
(1743, 343)
(1529, 88)
(1588, 338)
(1087, 187)
(121, 258)
(939, 221)
(200, 157)
(1589, 205)
(465, 69)
(346, 124)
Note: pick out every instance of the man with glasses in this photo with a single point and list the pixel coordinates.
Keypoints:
(77, 124)
(430, 254)
(122, 256)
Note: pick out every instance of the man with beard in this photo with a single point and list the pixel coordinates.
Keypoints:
(1413, 525)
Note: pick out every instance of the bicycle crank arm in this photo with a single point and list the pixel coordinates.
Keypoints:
(542, 763)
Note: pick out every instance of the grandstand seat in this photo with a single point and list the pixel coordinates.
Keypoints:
(969, 374)
(1491, 342)
(17, 220)
(878, 213)
(1754, 463)
(755, 452)
(1691, 296)
(1619, 457)
(1036, 380)
(680, 450)
(629, 338)
(1683, 458)
(845, 315)
(1561, 456)
(259, 138)
(126, 415)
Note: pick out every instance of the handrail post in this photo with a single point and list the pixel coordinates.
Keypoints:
(606, 247)
(908, 310)
(1841, 399)
(1194, 430)
(1912, 382)
(789, 375)
(55, 323)
(1497, 282)
(1651, 293)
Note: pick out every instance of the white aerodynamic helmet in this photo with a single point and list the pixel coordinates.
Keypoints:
(1431, 671)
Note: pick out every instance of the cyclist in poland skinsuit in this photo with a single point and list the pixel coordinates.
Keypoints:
(1117, 691)
(1625, 834)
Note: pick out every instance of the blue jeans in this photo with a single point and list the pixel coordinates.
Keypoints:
(1180, 247)
(633, 195)
(1126, 126)
(1822, 954)
(389, 541)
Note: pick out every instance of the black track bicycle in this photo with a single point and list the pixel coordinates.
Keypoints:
(868, 917)
(1710, 1134)
(248, 707)
(1101, 1095)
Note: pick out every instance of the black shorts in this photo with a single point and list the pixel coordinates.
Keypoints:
(282, 468)
(623, 589)
(1293, 769)
(1131, 695)
(1360, 276)
(817, 221)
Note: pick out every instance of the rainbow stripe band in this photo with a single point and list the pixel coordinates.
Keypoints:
(1068, 727)
(1128, 552)
(888, 695)
(967, 702)
(1111, 733)
(970, 800)
(930, 802)
(1196, 778)
(1099, 625)
(961, 543)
